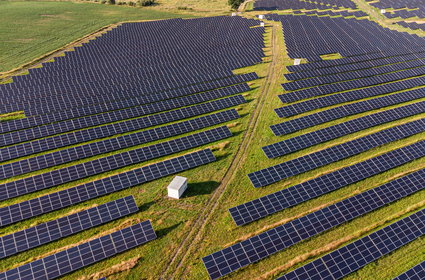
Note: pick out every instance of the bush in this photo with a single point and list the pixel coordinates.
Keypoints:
(111, 2)
(145, 3)
(235, 3)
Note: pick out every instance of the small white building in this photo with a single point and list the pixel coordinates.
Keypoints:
(233, 14)
(383, 11)
(177, 187)
(297, 61)
(261, 16)
(262, 24)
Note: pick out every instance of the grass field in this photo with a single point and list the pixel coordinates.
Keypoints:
(182, 242)
(29, 30)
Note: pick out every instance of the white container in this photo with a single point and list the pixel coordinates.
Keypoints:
(261, 16)
(383, 11)
(233, 14)
(177, 187)
(297, 61)
(262, 24)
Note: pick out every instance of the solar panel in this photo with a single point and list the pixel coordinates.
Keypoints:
(325, 101)
(113, 128)
(85, 254)
(277, 201)
(357, 254)
(326, 134)
(120, 142)
(44, 233)
(100, 165)
(314, 160)
(61, 199)
(160, 102)
(415, 273)
(269, 242)
(345, 110)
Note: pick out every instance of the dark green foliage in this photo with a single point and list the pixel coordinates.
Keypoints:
(235, 3)
(146, 2)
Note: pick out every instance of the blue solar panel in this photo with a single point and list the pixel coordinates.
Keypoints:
(354, 256)
(65, 226)
(269, 242)
(277, 201)
(97, 166)
(61, 199)
(88, 253)
(415, 273)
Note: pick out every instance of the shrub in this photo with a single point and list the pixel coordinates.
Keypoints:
(111, 2)
(235, 3)
(146, 2)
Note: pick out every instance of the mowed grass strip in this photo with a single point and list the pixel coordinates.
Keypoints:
(29, 30)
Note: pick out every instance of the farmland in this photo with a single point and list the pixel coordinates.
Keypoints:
(190, 65)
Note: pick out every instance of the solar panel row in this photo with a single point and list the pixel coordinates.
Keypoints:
(54, 104)
(380, 61)
(324, 101)
(85, 254)
(347, 110)
(326, 134)
(119, 127)
(145, 109)
(44, 233)
(353, 256)
(415, 273)
(129, 140)
(349, 85)
(346, 36)
(280, 200)
(321, 158)
(375, 73)
(75, 172)
(274, 240)
(61, 199)
(365, 57)
(96, 148)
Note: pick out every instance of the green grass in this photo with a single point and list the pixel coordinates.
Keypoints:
(174, 219)
(29, 30)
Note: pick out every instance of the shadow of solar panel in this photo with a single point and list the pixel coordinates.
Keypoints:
(65, 226)
(127, 125)
(146, 135)
(325, 101)
(415, 273)
(51, 104)
(280, 200)
(375, 72)
(88, 253)
(311, 161)
(326, 134)
(353, 66)
(122, 142)
(163, 102)
(356, 255)
(286, 235)
(58, 200)
(90, 168)
(349, 85)
(365, 57)
(346, 110)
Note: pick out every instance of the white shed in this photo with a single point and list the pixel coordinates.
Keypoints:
(261, 16)
(177, 187)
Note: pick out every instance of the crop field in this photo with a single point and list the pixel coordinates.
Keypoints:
(29, 30)
(287, 165)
